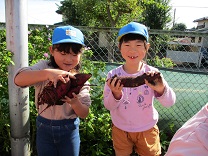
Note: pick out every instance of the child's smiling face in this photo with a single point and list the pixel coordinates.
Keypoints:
(133, 51)
(66, 61)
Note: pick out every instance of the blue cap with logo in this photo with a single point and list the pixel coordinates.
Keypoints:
(133, 28)
(67, 34)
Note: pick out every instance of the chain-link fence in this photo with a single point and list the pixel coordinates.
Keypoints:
(182, 58)
(187, 50)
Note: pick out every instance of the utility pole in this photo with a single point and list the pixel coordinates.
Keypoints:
(17, 44)
(174, 17)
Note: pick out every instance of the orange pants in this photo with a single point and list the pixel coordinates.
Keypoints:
(145, 143)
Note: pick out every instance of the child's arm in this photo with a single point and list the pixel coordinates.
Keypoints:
(164, 94)
(112, 94)
(116, 89)
(159, 83)
(30, 77)
(80, 109)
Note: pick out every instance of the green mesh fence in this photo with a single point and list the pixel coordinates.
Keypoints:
(191, 94)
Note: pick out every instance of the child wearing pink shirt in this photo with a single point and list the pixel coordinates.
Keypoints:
(192, 138)
(133, 114)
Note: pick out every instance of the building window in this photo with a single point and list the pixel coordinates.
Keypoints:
(200, 38)
(201, 26)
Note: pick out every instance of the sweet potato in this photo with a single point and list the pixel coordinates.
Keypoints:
(52, 96)
(136, 81)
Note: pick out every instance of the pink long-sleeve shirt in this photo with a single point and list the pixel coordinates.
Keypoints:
(135, 111)
(192, 138)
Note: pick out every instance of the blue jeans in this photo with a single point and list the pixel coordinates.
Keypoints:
(57, 137)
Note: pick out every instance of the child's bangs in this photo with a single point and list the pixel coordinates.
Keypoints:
(76, 48)
(129, 37)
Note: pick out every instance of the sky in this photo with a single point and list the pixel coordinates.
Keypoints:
(39, 12)
(43, 11)
(186, 11)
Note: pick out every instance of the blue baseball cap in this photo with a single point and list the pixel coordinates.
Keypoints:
(133, 28)
(67, 34)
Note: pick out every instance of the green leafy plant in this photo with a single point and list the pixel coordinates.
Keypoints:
(166, 136)
(6, 59)
(95, 130)
(164, 62)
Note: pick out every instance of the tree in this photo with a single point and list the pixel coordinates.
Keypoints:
(179, 26)
(69, 12)
(156, 14)
(115, 13)
(99, 13)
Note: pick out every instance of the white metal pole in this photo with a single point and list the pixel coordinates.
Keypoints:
(17, 43)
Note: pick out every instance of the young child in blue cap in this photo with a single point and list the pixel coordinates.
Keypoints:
(134, 117)
(58, 125)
